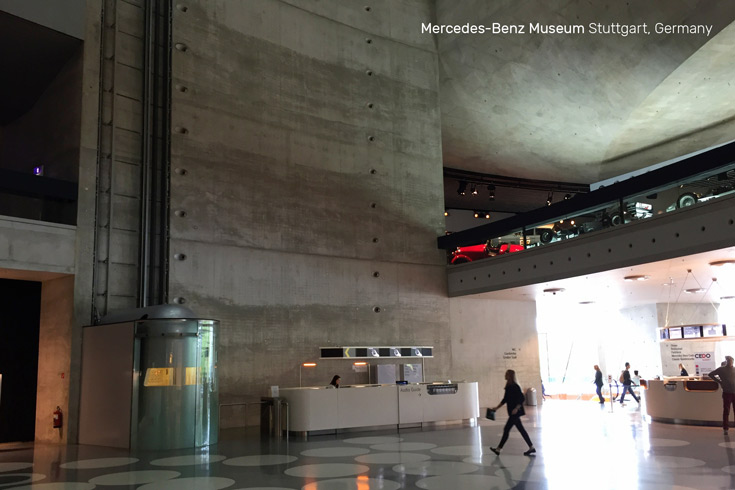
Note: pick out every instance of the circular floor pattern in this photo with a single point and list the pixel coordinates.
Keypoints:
(728, 445)
(443, 468)
(260, 460)
(675, 462)
(9, 479)
(69, 485)
(392, 458)
(188, 460)
(335, 452)
(373, 440)
(328, 470)
(403, 446)
(656, 442)
(134, 477)
(191, 483)
(465, 482)
(14, 466)
(353, 484)
(511, 467)
(459, 451)
(90, 464)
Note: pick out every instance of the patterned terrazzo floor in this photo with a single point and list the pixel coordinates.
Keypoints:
(580, 446)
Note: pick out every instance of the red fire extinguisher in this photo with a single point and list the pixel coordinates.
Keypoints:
(58, 418)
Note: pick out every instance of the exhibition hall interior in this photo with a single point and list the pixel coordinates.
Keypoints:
(295, 244)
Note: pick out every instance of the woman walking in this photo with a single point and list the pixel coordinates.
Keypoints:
(514, 400)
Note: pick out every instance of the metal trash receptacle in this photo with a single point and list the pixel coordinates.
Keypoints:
(531, 397)
(271, 420)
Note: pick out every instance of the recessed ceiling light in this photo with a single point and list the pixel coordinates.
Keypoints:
(725, 298)
(554, 290)
(638, 277)
(694, 290)
(586, 302)
(722, 263)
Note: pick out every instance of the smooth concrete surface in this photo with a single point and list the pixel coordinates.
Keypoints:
(591, 106)
(54, 357)
(36, 246)
(580, 445)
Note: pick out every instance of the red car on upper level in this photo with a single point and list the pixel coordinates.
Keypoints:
(477, 252)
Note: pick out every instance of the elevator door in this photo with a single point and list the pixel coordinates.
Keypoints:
(20, 314)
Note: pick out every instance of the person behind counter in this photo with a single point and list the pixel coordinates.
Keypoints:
(335, 381)
(683, 370)
(725, 377)
(514, 400)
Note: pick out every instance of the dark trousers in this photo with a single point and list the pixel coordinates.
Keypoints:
(514, 420)
(727, 400)
(629, 389)
(599, 394)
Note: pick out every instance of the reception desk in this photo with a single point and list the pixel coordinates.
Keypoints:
(315, 409)
(680, 400)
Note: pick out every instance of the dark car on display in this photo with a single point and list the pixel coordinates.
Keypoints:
(719, 185)
(476, 252)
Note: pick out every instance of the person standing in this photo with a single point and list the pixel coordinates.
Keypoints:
(598, 382)
(627, 385)
(725, 377)
(683, 370)
(514, 400)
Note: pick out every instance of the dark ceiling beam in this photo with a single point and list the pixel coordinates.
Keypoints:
(514, 182)
(692, 168)
(37, 186)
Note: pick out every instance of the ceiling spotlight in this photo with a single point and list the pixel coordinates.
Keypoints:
(726, 298)
(473, 190)
(446, 213)
(491, 192)
(477, 214)
(462, 189)
(554, 290)
(639, 277)
(567, 196)
(586, 302)
(487, 215)
(549, 198)
(694, 290)
(722, 263)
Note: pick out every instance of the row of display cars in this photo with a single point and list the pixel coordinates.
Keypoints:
(687, 195)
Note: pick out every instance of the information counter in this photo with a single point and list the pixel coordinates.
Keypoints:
(680, 400)
(315, 409)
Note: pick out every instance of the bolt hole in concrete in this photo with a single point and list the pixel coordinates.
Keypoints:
(182, 88)
(180, 301)
(180, 256)
(373, 205)
(370, 105)
(376, 274)
(369, 73)
(180, 213)
(182, 8)
(371, 138)
(182, 47)
(367, 9)
(369, 41)
(376, 309)
(376, 240)
(181, 130)
(181, 171)
(373, 171)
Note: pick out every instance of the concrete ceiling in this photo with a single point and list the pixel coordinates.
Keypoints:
(667, 283)
(583, 108)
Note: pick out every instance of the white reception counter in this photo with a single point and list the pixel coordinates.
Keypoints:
(318, 409)
(682, 400)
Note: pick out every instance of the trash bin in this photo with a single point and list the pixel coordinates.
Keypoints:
(270, 416)
(531, 397)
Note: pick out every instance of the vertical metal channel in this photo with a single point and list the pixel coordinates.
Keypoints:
(105, 158)
(146, 157)
(155, 161)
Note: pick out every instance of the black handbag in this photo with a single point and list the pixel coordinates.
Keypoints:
(490, 414)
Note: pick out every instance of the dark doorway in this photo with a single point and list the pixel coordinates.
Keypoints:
(20, 314)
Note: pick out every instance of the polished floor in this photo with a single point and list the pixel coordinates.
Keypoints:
(580, 445)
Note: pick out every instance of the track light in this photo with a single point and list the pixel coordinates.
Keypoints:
(491, 192)
(462, 189)
(549, 198)
(473, 190)
(477, 214)
(567, 197)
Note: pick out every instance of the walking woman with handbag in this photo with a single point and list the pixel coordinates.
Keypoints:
(514, 400)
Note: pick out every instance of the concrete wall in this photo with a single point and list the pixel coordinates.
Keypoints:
(490, 336)
(54, 357)
(307, 161)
